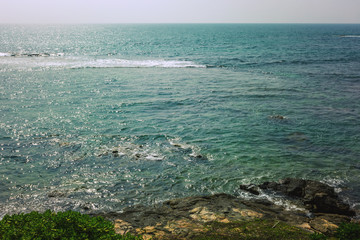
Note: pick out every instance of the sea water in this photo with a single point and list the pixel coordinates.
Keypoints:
(95, 118)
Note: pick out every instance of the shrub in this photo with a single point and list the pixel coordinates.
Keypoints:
(61, 225)
(348, 231)
(318, 236)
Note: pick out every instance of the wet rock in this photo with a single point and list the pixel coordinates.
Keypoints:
(316, 196)
(33, 54)
(290, 187)
(279, 117)
(57, 194)
(197, 156)
(253, 189)
(177, 145)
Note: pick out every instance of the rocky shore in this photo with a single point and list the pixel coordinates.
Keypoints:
(320, 209)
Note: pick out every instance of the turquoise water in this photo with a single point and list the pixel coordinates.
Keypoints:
(100, 117)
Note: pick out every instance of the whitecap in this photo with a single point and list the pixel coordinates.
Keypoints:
(60, 60)
(5, 54)
(124, 63)
(179, 145)
(350, 36)
(154, 157)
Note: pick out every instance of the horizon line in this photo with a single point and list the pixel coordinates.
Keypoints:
(204, 23)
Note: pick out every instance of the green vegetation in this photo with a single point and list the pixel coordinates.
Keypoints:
(348, 231)
(61, 225)
(318, 236)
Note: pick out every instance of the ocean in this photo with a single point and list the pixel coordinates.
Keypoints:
(95, 118)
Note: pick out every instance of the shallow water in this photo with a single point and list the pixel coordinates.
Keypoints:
(99, 117)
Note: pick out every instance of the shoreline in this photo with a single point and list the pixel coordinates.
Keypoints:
(186, 217)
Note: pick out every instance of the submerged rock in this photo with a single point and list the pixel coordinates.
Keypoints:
(279, 117)
(57, 194)
(297, 137)
(197, 156)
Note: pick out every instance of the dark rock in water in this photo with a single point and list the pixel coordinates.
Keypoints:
(33, 54)
(279, 117)
(197, 156)
(291, 187)
(316, 196)
(57, 194)
(250, 188)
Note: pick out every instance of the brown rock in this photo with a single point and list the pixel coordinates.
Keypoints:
(323, 225)
(122, 227)
(305, 226)
(186, 216)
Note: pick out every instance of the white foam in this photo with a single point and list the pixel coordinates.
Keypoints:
(278, 200)
(5, 54)
(154, 157)
(60, 60)
(180, 145)
(124, 63)
(351, 36)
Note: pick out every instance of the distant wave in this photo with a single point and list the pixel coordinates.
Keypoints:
(350, 36)
(123, 63)
(58, 60)
(30, 54)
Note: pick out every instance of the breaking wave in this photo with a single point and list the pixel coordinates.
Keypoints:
(5, 54)
(350, 36)
(58, 60)
(123, 63)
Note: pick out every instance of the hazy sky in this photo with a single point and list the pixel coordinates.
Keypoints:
(179, 11)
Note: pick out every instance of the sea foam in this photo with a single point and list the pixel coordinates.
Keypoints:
(124, 63)
(5, 54)
(61, 61)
